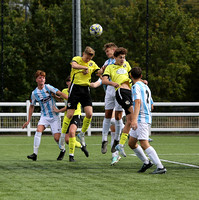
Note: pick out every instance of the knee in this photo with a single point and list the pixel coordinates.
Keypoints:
(89, 115)
(56, 137)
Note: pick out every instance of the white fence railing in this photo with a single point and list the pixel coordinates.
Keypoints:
(162, 121)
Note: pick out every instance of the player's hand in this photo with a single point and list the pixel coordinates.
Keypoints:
(134, 125)
(145, 82)
(25, 124)
(116, 85)
(85, 71)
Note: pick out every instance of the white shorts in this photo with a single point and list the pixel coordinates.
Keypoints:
(54, 123)
(110, 100)
(142, 131)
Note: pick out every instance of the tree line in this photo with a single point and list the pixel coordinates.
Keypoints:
(40, 37)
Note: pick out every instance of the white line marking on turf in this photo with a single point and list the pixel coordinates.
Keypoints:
(178, 163)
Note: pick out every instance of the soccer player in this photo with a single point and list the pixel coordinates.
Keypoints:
(142, 119)
(79, 91)
(112, 119)
(42, 94)
(119, 74)
(68, 135)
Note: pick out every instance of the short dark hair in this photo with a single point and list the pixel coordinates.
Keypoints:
(136, 72)
(120, 51)
(68, 79)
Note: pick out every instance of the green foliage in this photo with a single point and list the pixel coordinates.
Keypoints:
(44, 41)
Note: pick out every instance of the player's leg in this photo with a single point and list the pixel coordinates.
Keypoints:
(55, 125)
(115, 154)
(109, 106)
(105, 130)
(37, 141)
(125, 132)
(118, 125)
(86, 122)
(75, 122)
(134, 134)
(151, 152)
(72, 140)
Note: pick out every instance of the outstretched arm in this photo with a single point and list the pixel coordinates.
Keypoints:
(30, 112)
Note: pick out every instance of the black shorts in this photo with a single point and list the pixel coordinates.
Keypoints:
(78, 93)
(124, 98)
(75, 120)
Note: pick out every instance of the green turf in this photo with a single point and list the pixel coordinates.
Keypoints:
(93, 178)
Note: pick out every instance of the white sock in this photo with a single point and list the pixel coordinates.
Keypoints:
(115, 154)
(112, 138)
(62, 142)
(118, 129)
(106, 126)
(154, 157)
(37, 141)
(141, 155)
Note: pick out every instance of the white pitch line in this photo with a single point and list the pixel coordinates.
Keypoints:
(178, 163)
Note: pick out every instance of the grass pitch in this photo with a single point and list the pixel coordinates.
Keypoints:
(93, 178)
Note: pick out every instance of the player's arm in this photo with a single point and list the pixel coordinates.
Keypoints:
(62, 95)
(96, 83)
(105, 81)
(58, 98)
(75, 65)
(59, 110)
(30, 112)
(136, 113)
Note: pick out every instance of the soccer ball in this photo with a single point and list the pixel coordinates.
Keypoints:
(96, 30)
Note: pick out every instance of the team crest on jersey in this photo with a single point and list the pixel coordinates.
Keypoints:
(124, 65)
(121, 71)
(127, 102)
(69, 104)
(90, 64)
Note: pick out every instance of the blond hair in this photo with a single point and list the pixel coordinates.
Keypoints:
(89, 51)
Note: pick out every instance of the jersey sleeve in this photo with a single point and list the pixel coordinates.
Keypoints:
(96, 68)
(33, 99)
(107, 71)
(52, 89)
(136, 92)
(75, 59)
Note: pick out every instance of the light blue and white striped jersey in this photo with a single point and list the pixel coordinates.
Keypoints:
(110, 88)
(45, 99)
(141, 91)
(110, 61)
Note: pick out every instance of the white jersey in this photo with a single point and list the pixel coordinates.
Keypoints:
(110, 89)
(45, 99)
(141, 91)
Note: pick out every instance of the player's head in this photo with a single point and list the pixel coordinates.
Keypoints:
(136, 73)
(68, 81)
(88, 54)
(40, 73)
(40, 77)
(109, 49)
(120, 55)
